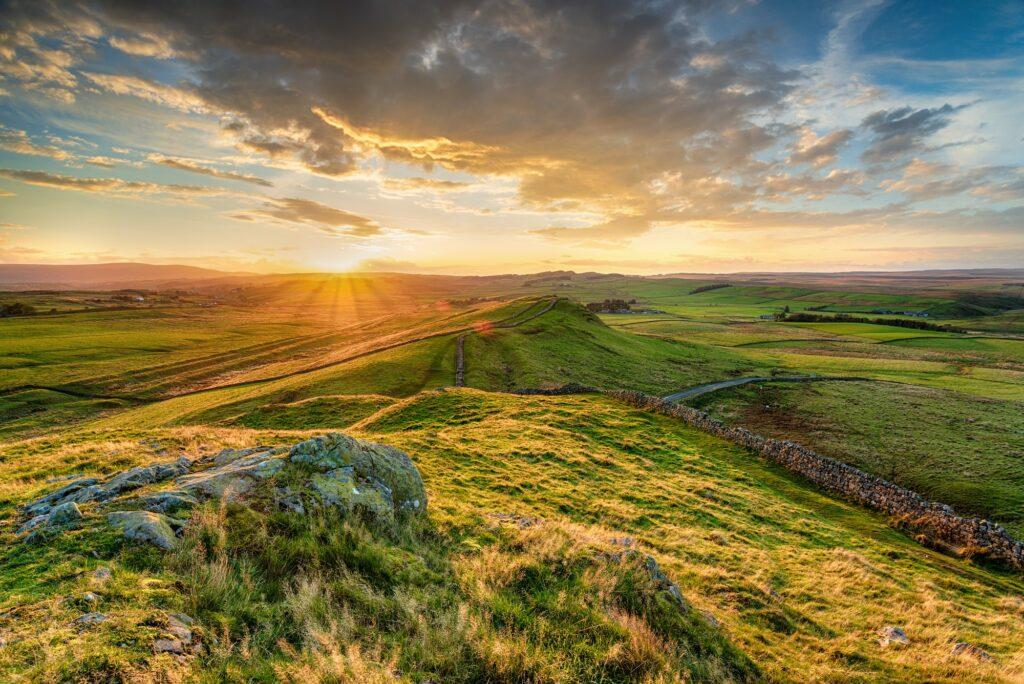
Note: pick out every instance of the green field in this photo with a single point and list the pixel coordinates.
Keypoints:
(798, 582)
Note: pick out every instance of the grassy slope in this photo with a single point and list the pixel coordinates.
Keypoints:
(800, 581)
(958, 449)
(571, 344)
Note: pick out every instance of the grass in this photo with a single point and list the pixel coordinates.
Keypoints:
(511, 577)
(800, 582)
(961, 450)
(570, 344)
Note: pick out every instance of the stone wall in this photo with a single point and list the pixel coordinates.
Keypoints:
(934, 524)
(567, 388)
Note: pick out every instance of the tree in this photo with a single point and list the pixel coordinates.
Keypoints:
(16, 309)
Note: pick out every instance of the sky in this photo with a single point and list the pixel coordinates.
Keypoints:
(517, 136)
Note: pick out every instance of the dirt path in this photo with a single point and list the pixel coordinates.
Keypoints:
(698, 390)
(460, 361)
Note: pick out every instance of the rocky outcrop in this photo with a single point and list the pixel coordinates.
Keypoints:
(61, 516)
(933, 523)
(330, 471)
(351, 473)
(146, 527)
(232, 478)
(85, 490)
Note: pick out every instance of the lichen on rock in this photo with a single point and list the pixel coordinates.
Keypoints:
(355, 473)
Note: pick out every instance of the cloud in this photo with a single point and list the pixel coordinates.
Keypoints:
(19, 142)
(111, 186)
(144, 45)
(903, 131)
(585, 104)
(611, 118)
(923, 181)
(810, 149)
(294, 210)
(417, 184)
(193, 166)
(168, 96)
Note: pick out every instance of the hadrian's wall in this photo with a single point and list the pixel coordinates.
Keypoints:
(934, 524)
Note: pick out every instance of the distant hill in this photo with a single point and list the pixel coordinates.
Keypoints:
(101, 276)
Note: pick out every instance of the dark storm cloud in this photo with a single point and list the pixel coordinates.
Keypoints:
(903, 131)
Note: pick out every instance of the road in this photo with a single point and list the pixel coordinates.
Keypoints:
(698, 390)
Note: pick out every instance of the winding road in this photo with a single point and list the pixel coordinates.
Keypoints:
(698, 390)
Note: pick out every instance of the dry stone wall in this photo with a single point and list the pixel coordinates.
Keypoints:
(934, 524)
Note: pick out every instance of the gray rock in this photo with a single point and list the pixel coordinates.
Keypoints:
(225, 456)
(179, 626)
(44, 504)
(102, 574)
(168, 646)
(233, 478)
(90, 619)
(356, 473)
(89, 489)
(289, 500)
(167, 502)
(90, 597)
(34, 523)
(893, 636)
(144, 475)
(64, 514)
(963, 648)
(145, 527)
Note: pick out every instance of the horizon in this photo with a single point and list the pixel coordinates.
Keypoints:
(720, 137)
(908, 271)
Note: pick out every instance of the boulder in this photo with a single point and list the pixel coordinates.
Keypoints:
(146, 527)
(350, 473)
(64, 514)
(166, 502)
(234, 478)
(893, 636)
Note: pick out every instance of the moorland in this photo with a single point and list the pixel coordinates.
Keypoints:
(533, 560)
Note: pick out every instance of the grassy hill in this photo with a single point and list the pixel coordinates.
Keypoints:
(513, 575)
(571, 344)
(506, 580)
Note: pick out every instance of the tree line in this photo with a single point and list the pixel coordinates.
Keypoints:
(804, 317)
